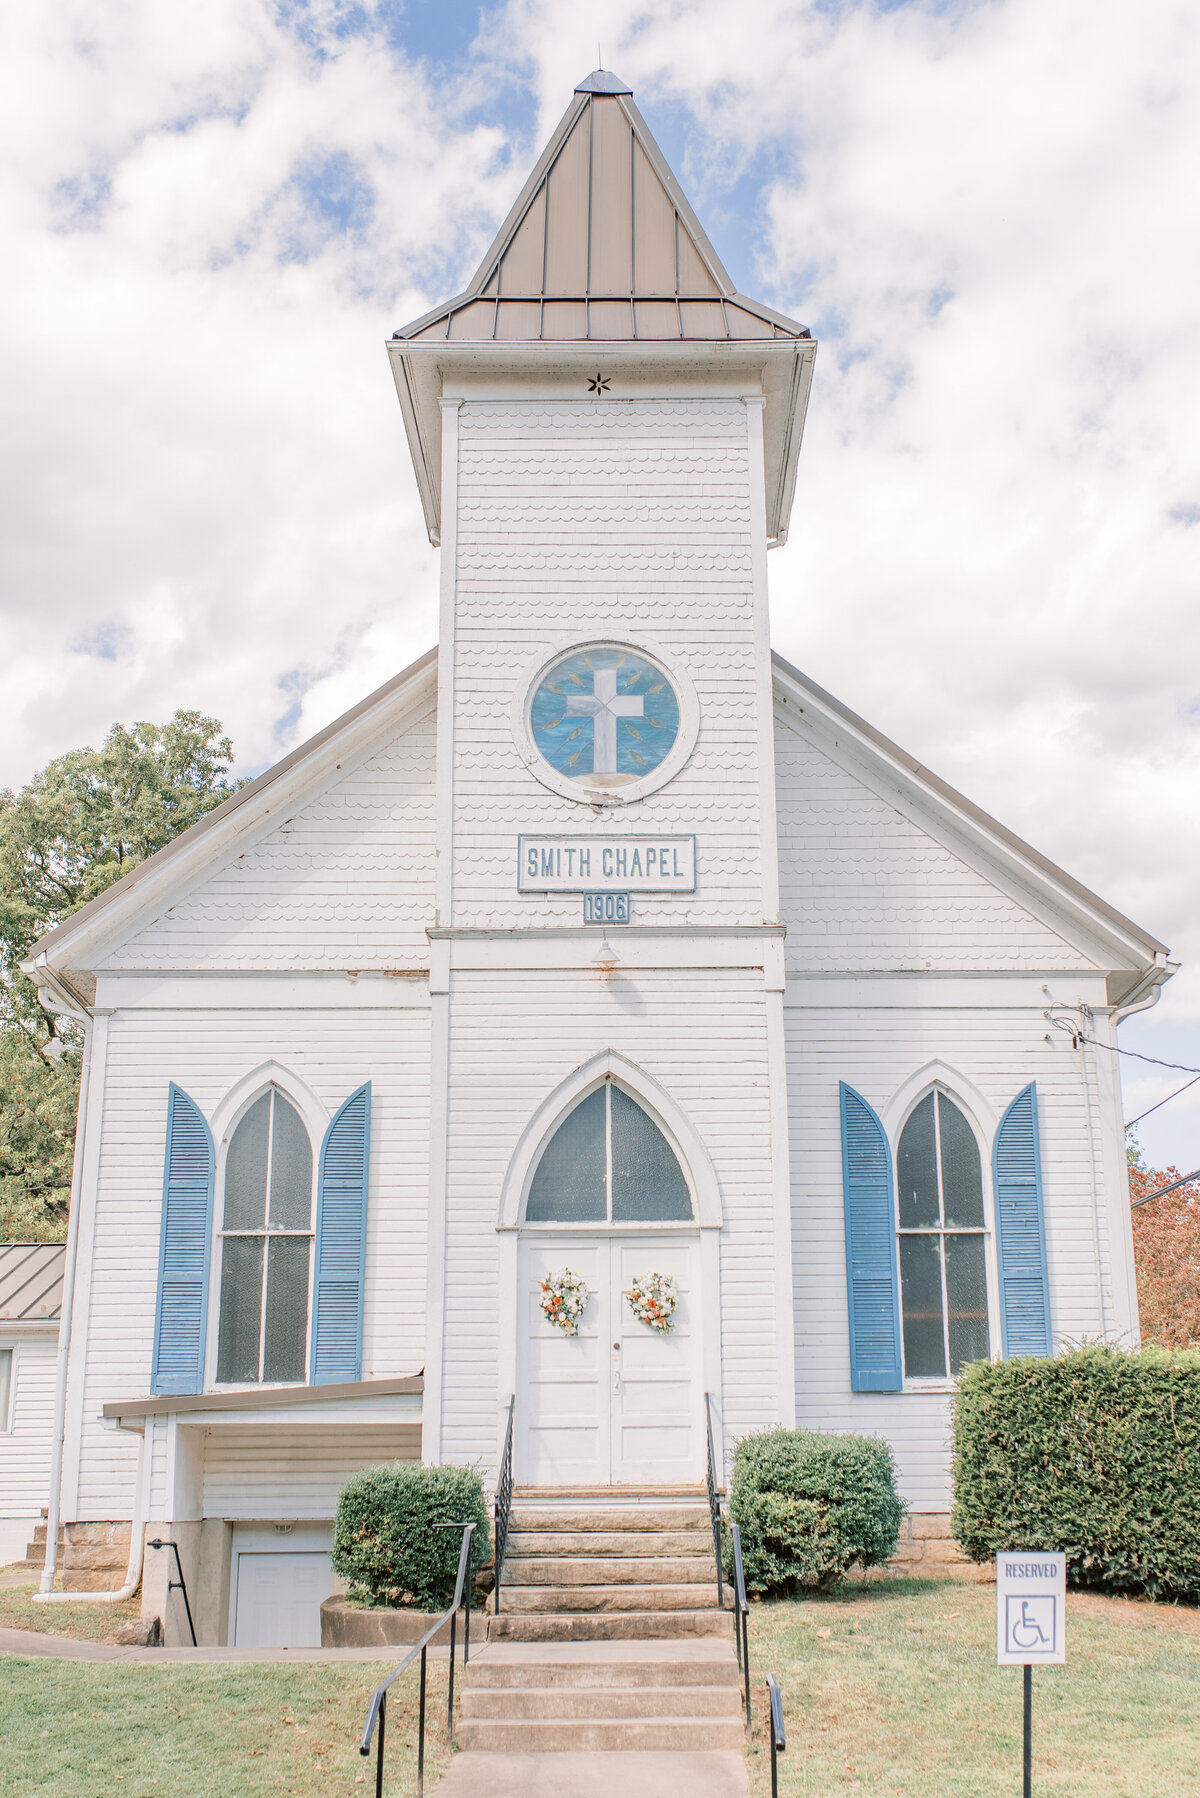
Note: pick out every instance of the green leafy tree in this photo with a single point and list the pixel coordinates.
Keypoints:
(85, 820)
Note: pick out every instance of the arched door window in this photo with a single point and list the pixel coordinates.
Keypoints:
(608, 1162)
(266, 1246)
(943, 1266)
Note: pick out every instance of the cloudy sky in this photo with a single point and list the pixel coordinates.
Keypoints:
(985, 209)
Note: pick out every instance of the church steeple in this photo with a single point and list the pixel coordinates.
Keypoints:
(601, 245)
(602, 277)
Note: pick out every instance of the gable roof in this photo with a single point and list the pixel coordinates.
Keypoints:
(158, 882)
(57, 960)
(601, 245)
(975, 833)
(31, 1282)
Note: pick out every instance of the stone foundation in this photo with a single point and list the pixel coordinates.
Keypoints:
(93, 1557)
(927, 1550)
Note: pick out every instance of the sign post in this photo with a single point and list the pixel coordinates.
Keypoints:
(1031, 1604)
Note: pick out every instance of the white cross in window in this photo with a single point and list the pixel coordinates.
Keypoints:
(603, 706)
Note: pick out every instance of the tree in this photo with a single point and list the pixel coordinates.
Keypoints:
(1166, 1253)
(85, 820)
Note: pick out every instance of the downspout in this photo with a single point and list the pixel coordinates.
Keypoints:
(137, 1539)
(56, 1000)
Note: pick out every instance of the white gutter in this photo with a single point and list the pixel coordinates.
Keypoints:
(54, 1001)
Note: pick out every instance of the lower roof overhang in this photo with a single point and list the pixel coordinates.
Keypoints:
(779, 368)
(372, 1402)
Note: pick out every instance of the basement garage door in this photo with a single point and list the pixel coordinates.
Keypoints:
(278, 1598)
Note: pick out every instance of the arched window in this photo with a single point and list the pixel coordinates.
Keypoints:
(943, 1267)
(608, 1162)
(266, 1245)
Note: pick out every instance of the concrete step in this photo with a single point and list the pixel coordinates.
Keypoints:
(609, 1542)
(608, 1626)
(609, 1494)
(605, 1702)
(609, 1519)
(598, 1735)
(609, 1570)
(592, 1675)
(520, 1599)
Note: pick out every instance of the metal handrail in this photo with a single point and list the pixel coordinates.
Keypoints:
(504, 1492)
(776, 1731)
(377, 1709)
(741, 1614)
(177, 1585)
(714, 1502)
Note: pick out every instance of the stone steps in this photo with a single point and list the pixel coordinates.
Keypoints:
(714, 1667)
(610, 1519)
(608, 1564)
(521, 1600)
(518, 1735)
(608, 1626)
(553, 1703)
(609, 1570)
(608, 1542)
(675, 1696)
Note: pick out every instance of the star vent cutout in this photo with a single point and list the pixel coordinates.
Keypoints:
(598, 384)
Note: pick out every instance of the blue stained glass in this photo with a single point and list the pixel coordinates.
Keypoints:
(607, 716)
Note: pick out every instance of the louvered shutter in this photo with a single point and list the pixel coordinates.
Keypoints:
(341, 1243)
(872, 1281)
(180, 1322)
(1021, 1230)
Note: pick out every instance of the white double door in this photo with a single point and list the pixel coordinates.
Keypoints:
(618, 1403)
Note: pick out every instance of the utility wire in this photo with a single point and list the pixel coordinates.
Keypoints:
(1180, 1067)
(1163, 1190)
(1162, 1102)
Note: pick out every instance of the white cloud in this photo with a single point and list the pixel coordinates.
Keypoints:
(986, 211)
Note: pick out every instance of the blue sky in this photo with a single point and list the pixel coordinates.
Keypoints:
(986, 211)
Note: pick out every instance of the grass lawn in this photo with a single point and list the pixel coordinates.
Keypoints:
(893, 1687)
(72, 1729)
(86, 1622)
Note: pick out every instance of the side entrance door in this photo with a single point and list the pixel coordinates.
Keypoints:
(619, 1403)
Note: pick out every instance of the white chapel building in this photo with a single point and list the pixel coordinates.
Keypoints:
(599, 939)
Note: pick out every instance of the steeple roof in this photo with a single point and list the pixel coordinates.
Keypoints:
(601, 245)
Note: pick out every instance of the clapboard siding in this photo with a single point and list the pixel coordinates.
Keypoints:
(293, 1474)
(346, 882)
(515, 1037)
(25, 1448)
(207, 1053)
(627, 519)
(862, 887)
(876, 1052)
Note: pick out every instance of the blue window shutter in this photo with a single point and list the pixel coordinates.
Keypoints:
(341, 1244)
(181, 1317)
(872, 1280)
(1021, 1230)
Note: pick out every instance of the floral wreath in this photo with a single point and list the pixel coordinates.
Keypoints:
(564, 1300)
(653, 1299)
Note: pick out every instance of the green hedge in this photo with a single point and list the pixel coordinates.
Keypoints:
(1096, 1453)
(384, 1542)
(809, 1505)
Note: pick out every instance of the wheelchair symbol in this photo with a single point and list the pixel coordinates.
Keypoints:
(1031, 1625)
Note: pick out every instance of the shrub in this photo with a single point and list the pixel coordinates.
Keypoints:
(809, 1505)
(1096, 1453)
(384, 1542)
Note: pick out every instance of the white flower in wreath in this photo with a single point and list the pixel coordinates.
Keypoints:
(564, 1300)
(653, 1299)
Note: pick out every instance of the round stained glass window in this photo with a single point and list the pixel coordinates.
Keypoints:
(606, 717)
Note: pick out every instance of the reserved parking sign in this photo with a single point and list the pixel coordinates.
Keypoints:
(1031, 1602)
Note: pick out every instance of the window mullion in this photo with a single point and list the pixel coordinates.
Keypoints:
(941, 1192)
(608, 1152)
(262, 1318)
